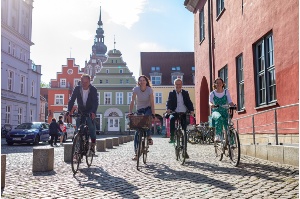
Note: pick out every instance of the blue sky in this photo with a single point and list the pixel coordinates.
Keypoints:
(67, 27)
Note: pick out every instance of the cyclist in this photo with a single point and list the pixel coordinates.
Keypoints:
(143, 95)
(87, 100)
(179, 101)
(219, 96)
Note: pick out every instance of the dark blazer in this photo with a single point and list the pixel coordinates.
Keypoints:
(172, 100)
(54, 128)
(91, 103)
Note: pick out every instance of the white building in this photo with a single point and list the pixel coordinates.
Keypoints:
(20, 77)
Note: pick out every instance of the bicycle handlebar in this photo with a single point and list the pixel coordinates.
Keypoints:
(227, 106)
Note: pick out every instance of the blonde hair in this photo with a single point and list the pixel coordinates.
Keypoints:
(86, 75)
(176, 80)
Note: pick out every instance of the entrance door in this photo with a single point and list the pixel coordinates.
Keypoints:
(113, 124)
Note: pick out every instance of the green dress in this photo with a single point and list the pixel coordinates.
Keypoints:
(220, 115)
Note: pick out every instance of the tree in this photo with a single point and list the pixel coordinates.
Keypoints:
(44, 85)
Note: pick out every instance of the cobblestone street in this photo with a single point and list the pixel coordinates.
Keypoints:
(114, 175)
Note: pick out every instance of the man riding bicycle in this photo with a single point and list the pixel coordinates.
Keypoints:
(180, 102)
(87, 100)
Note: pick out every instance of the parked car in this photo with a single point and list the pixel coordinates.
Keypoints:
(31, 132)
(5, 129)
(70, 132)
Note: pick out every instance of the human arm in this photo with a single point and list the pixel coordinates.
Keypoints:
(73, 98)
(132, 102)
(95, 102)
(211, 100)
(169, 102)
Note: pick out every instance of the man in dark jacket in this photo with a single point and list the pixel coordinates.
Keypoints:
(87, 100)
(53, 131)
(179, 101)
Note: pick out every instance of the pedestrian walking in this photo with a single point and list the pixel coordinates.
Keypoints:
(54, 128)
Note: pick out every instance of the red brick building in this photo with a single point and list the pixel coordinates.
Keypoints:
(61, 88)
(254, 46)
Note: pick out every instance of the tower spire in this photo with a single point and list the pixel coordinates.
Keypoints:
(114, 42)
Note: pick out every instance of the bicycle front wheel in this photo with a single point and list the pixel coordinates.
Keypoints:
(89, 156)
(145, 148)
(181, 146)
(235, 150)
(76, 153)
(139, 151)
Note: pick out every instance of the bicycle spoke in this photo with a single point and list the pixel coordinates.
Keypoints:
(234, 147)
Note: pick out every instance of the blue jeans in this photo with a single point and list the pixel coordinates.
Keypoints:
(145, 111)
(91, 124)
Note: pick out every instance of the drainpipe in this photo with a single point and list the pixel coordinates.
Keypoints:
(210, 46)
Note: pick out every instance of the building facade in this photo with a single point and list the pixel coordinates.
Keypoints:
(20, 77)
(253, 48)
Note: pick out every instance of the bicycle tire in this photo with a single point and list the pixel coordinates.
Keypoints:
(181, 147)
(176, 144)
(235, 150)
(219, 149)
(76, 153)
(89, 156)
(191, 137)
(145, 148)
(139, 150)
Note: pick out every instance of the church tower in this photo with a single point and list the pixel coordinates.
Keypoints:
(99, 49)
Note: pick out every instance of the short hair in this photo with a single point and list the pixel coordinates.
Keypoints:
(53, 119)
(176, 80)
(86, 75)
(60, 117)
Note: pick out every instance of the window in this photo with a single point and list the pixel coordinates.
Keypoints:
(121, 70)
(129, 97)
(107, 70)
(106, 81)
(13, 50)
(98, 95)
(119, 98)
(201, 24)
(10, 80)
(21, 53)
(193, 68)
(155, 68)
(32, 89)
(158, 98)
(97, 69)
(20, 115)
(31, 115)
(156, 80)
(63, 83)
(265, 71)
(223, 73)
(59, 99)
(127, 81)
(121, 81)
(9, 47)
(176, 68)
(240, 82)
(7, 114)
(22, 84)
(100, 81)
(107, 98)
(176, 77)
(76, 82)
(70, 71)
(220, 7)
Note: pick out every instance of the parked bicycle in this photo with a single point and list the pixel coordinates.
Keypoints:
(180, 137)
(200, 133)
(141, 123)
(81, 144)
(230, 142)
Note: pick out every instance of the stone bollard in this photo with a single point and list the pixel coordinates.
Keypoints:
(68, 152)
(128, 138)
(121, 140)
(125, 139)
(3, 170)
(132, 137)
(115, 141)
(101, 145)
(43, 159)
(109, 143)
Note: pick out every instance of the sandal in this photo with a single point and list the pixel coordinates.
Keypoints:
(134, 157)
(150, 141)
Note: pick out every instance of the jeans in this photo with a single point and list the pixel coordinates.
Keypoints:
(145, 111)
(173, 118)
(53, 137)
(92, 127)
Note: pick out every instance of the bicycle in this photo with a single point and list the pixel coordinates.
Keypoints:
(141, 123)
(230, 146)
(81, 144)
(180, 137)
(200, 133)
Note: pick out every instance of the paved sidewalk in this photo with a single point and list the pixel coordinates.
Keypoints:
(113, 175)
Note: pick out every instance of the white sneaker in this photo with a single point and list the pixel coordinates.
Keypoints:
(217, 138)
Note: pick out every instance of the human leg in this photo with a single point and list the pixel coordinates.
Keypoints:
(172, 127)
(135, 144)
(92, 131)
(148, 112)
(51, 140)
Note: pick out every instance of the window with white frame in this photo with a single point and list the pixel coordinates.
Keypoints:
(21, 53)
(121, 70)
(176, 77)
(107, 98)
(156, 80)
(119, 98)
(98, 95)
(32, 88)
(158, 98)
(63, 83)
(22, 84)
(155, 69)
(31, 115)
(129, 97)
(59, 99)
(76, 82)
(106, 81)
(220, 7)
(9, 47)
(13, 49)
(240, 82)
(265, 71)
(10, 79)
(176, 68)
(107, 70)
(127, 81)
(97, 69)
(121, 81)
(20, 113)
(201, 25)
(7, 114)
(223, 73)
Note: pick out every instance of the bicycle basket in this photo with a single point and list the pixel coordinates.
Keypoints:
(140, 121)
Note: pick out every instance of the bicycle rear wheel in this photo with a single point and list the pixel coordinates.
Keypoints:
(235, 150)
(181, 146)
(89, 155)
(139, 151)
(145, 148)
(76, 153)
(191, 134)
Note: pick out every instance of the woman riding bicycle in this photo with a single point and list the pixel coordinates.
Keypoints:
(143, 95)
(219, 96)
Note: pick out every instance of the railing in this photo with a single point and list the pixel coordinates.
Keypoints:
(271, 125)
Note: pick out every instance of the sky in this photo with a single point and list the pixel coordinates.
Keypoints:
(66, 28)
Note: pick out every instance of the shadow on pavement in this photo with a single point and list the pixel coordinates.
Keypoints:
(164, 172)
(44, 173)
(100, 179)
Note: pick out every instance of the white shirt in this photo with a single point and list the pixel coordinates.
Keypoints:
(219, 95)
(85, 94)
(180, 104)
